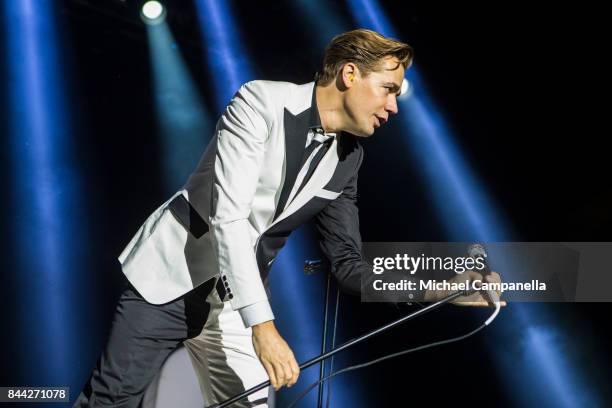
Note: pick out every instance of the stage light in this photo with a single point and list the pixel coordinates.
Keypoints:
(405, 90)
(153, 12)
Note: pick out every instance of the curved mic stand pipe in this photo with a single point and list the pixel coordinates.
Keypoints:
(493, 296)
(495, 300)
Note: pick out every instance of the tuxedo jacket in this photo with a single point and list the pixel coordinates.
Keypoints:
(239, 206)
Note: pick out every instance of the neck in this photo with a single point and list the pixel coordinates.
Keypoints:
(329, 104)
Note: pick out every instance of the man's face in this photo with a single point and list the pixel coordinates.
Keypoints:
(371, 99)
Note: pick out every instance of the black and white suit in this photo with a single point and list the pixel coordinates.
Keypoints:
(237, 209)
(198, 263)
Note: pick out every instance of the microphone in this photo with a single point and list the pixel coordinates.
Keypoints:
(477, 250)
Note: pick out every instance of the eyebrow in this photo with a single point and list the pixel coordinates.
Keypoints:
(394, 87)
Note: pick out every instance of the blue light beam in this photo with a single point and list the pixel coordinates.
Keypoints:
(182, 118)
(322, 20)
(228, 62)
(463, 205)
(230, 68)
(466, 210)
(49, 228)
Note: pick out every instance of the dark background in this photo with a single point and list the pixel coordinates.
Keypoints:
(520, 86)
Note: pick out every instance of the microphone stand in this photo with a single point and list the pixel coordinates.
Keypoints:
(310, 268)
(324, 343)
(346, 345)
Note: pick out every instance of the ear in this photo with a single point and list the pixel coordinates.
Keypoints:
(349, 74)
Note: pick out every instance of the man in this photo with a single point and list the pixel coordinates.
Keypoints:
(282, 154)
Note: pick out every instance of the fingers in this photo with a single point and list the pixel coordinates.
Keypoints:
(284, 373)
(271, 374)
(480, 298)
(276, 357)
(473, 304)
(276, 373)
(494, 278)
(291, 371)
(295, 372)
(482, 303)
(287, 373)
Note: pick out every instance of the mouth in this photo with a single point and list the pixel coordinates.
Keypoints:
(380, 120)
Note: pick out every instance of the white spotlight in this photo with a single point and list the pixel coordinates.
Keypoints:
(405, 90)
(153, 12)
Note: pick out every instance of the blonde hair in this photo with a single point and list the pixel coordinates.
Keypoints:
(364, 48)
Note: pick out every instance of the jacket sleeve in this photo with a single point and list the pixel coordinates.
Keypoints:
(242, 132)
(338, 225)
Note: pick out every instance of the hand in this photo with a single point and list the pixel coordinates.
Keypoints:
(480, 298)
(275, 355)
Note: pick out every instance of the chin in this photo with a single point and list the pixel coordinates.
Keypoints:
(365, 132)
(370, 132)
(364, 135)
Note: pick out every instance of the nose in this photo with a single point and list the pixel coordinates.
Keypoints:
(391, 105)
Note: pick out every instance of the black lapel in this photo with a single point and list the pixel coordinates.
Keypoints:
(296, 130)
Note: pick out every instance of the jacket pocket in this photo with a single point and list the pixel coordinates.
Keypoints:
(328, 194)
